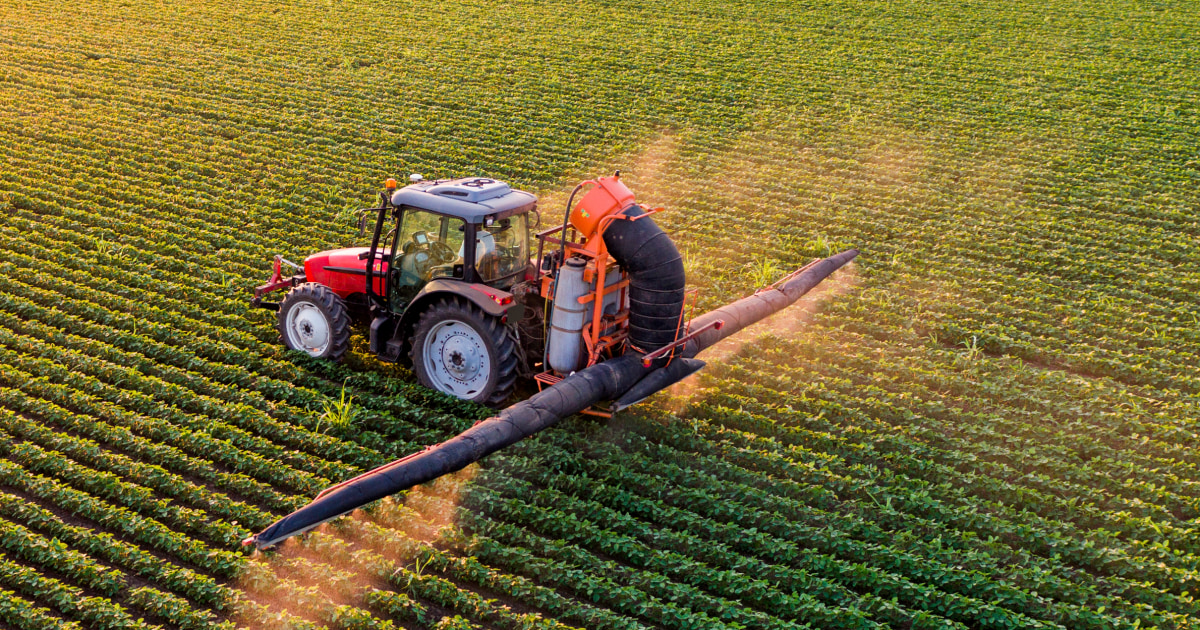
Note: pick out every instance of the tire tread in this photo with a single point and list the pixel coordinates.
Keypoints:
(505, 365)
(334, 307)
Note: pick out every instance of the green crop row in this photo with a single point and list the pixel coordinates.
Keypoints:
(116, 518)
(197, 587)
(94, 612)
(887, 507)
(24, 615)
(152, 477)
(1029, 489)
(989, 424)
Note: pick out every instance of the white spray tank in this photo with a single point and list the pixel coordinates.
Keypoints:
(565, 347)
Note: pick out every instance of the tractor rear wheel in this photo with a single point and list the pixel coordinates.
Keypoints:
(314, 319)
(462, 351)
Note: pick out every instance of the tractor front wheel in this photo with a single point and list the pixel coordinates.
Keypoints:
(462, 351)
(314, 319)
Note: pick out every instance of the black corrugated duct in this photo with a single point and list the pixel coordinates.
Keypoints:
(605, 381)
(656, 278)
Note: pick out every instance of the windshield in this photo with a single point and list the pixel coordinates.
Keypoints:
(502, 248)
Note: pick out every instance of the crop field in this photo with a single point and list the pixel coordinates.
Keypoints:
(990, 421)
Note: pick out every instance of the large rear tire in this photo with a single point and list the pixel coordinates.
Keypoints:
(459, 350)
(313, 319)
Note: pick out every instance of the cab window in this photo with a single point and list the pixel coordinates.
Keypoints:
(429, 246)
(502, 248)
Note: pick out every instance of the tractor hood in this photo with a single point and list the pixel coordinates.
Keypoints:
(471, 198)
(344, 270)
(346, 257)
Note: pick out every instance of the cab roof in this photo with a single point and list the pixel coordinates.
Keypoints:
(470, 198)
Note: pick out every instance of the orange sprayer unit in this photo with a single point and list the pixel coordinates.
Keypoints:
(608, 197)
(586, 285)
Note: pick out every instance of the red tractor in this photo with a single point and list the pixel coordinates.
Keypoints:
(451, 289)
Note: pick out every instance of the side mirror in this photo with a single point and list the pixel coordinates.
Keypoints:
(362, 222)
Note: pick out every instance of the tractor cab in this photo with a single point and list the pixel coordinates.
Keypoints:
(474, 230)
(432, 246)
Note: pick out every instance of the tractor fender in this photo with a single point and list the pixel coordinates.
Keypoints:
(435, 290)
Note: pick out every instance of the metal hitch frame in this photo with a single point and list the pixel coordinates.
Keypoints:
(276, 283)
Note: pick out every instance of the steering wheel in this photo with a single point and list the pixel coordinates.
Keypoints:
(421, 262)
(441, 252)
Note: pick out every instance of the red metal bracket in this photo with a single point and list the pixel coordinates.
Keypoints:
(780, 282)
(665, 350)
(277, 281)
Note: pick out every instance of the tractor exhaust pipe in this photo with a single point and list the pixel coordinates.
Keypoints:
(610, 380)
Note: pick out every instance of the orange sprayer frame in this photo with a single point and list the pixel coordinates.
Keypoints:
(592, 247)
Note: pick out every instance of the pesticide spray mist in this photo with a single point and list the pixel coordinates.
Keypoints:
(789, 322)
(305, 580)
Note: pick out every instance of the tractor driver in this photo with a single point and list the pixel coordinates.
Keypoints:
(486, 259)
